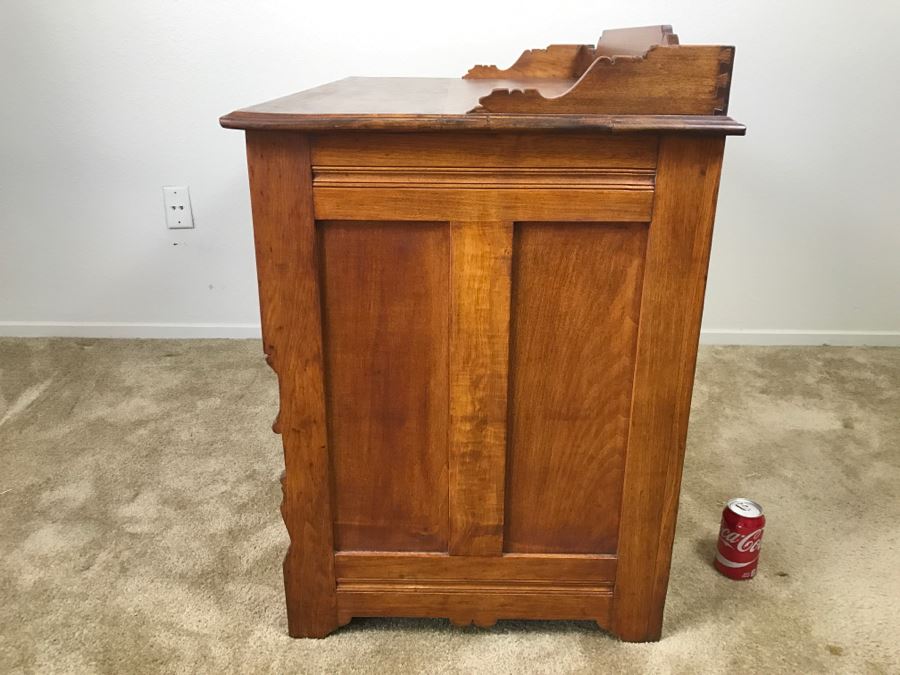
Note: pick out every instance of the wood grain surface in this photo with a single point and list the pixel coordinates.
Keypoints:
(576, 304)
(287, 267)
(386, 291)
(571, 61)
(485, 336)
(564, 62)
(485, 151)
(510, 567)
(442, 104)
(479, 604)
(674, 285)
(679, 80)
(514, 204)
(479, 355)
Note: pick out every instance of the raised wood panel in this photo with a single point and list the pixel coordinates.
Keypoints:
(414, 203)
(576, 303)
(481, 150)
(386, 292)
(593, 570)
(479, 354)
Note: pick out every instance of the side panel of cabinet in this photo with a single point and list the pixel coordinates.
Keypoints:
(386, 329)
(386, 300)
(424, 225)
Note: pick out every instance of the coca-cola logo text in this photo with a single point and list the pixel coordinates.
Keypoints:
(745, 543)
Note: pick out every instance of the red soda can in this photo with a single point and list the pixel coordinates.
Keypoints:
(740, 536)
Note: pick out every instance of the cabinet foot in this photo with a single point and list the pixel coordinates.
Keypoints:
(311, 611)
(482, 621)
(634, 633)
(302, 626)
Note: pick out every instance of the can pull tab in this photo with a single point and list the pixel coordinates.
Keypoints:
(745, 507)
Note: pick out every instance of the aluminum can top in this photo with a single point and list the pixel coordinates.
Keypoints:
(746, 508)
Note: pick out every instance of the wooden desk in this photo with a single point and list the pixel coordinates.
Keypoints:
(482, 299)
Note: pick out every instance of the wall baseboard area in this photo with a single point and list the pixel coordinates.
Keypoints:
(712, 336)
(129, 330)
(781, 337)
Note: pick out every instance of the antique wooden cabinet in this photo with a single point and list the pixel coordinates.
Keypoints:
(482, 300)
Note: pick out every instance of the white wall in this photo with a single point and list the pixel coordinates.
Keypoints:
(105, 101)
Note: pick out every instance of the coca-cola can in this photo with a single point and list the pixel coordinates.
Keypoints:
(740, 537)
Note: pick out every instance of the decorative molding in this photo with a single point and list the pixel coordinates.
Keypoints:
(630, 71)
(583, 589)
(670, 80)
(269, 351)
(571, 61)
(488, 178)
(556, 61)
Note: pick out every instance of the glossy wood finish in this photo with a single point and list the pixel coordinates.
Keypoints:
(474, 589)
(479, 354)
(481, 604)
(483, 153)
(576, 306)
(674, 285)
(483, 177)
(571, 61)
(634, 79)
(443, 104)
(629, 71)
(595, 570)
(485, 339)
(409, 203)
(287, 266)
(681, 80)
(386, 307)
(563, 62)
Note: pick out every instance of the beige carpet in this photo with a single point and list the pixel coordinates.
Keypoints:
(140, 526)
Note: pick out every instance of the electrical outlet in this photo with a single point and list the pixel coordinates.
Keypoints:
(178, 208)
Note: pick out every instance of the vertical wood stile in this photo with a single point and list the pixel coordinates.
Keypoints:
(287, 267)
(674, 284)
(479, 357)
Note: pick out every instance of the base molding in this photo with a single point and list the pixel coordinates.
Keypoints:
(465, 607)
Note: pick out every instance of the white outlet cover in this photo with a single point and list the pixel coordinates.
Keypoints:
(177, 200)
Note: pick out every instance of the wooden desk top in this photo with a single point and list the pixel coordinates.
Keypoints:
(632, 80)
(442, 104)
